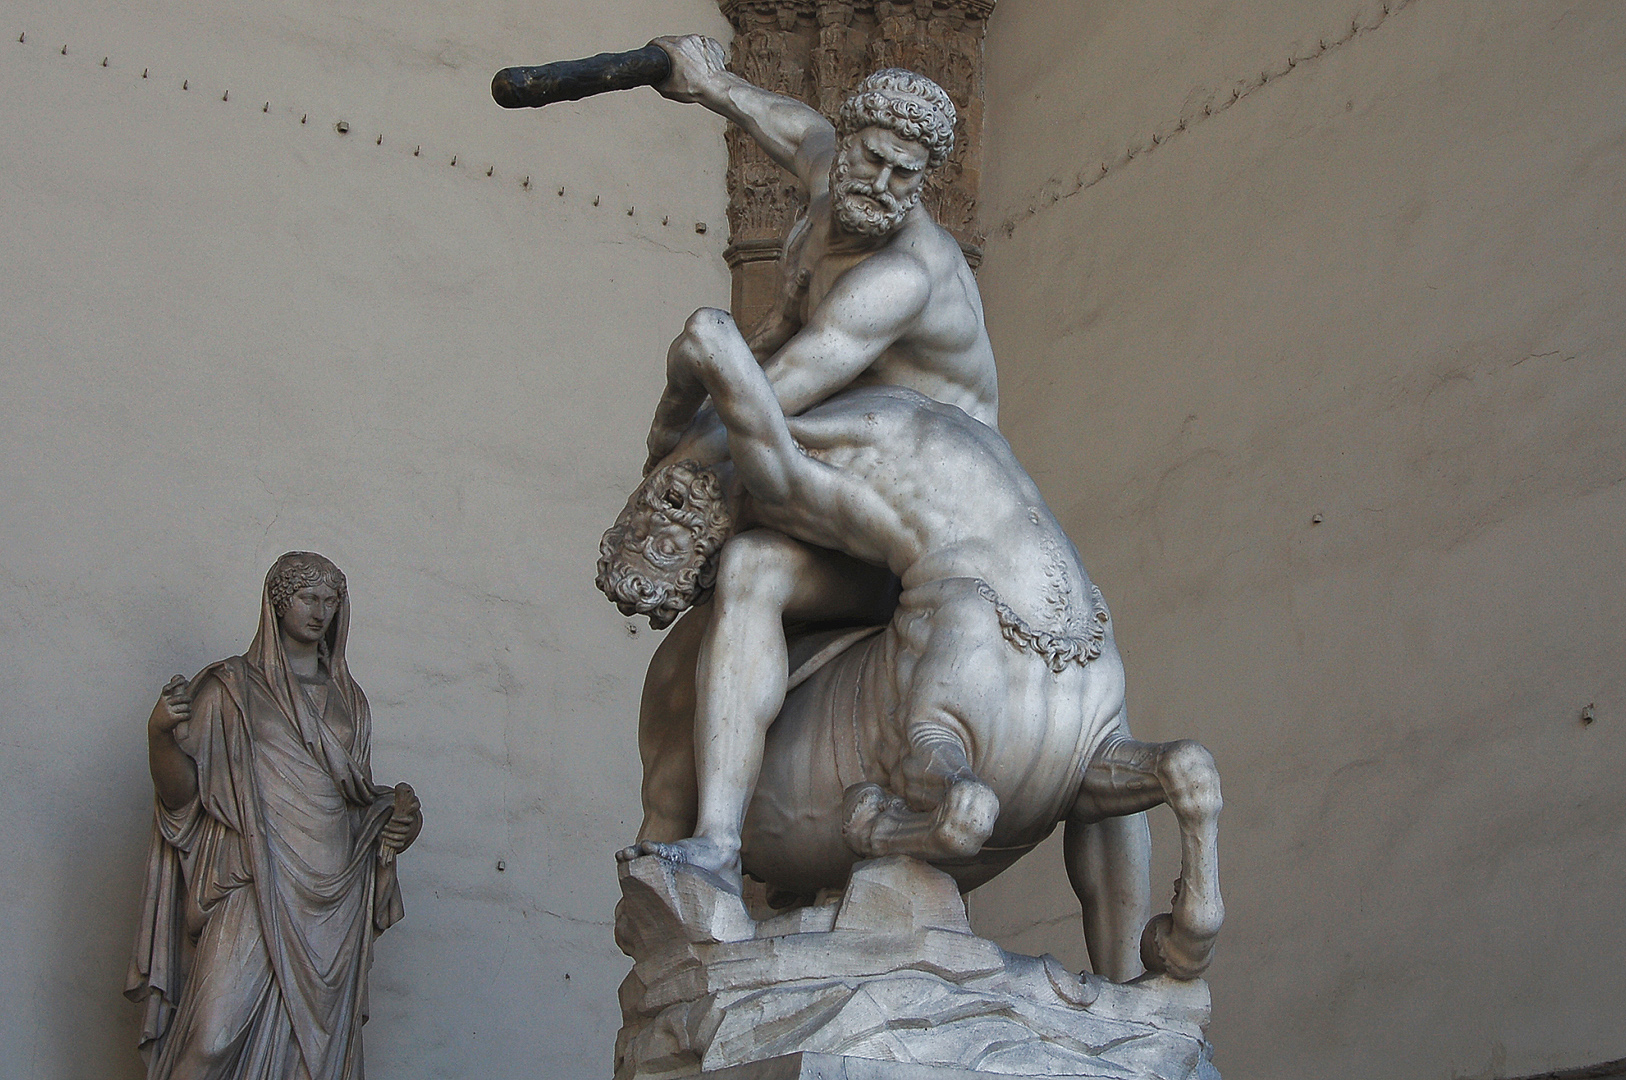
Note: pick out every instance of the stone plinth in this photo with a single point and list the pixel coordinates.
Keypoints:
(888, 982)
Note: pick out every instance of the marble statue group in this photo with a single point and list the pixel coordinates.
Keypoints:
(886, 676)
(842, 465)
(883, 646)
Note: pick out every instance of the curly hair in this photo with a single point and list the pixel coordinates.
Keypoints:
(901, 101)
(667, 584)
(297, 570)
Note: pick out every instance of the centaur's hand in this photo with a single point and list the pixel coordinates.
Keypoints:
(699, 65)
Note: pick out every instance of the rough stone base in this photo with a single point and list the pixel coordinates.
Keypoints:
(889, 983)
(827, 1067)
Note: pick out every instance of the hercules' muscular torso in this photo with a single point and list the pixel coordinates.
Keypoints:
(945, 354)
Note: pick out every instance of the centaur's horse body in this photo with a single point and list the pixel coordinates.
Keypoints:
(1029, 731)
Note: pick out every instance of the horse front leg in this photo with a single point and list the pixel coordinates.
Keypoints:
(1126, 777)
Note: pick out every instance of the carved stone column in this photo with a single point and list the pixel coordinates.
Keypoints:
(817, 51)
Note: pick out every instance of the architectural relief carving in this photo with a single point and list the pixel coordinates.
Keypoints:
(816, 51)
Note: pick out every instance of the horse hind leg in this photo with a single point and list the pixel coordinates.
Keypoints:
(944, 811)
(1126, 777)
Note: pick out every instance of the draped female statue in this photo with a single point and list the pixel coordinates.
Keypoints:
(271, 867)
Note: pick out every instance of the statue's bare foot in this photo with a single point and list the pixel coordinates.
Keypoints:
(699, 852)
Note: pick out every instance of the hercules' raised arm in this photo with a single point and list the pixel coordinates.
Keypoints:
(793, 134)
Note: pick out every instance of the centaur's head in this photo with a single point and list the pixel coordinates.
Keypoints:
(660, 556)
(894, 127)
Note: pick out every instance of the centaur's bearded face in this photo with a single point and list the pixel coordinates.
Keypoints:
(660, 556)
(875, 180)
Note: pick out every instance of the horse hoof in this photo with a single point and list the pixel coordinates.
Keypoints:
(861, 808)
(966, 818)
(1165, 950)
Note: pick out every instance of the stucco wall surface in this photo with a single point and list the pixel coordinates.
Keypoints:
(230, 330)
(1380, 283)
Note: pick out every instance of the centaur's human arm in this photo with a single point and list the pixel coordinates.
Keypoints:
(868, 310)
(795, 493)
(797, 137)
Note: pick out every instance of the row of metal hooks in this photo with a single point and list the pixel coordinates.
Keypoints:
(342, 127)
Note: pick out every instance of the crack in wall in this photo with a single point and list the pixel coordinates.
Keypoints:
(1213, 104)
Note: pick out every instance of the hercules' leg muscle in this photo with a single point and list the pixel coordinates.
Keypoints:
(763, 578)
(666, 730)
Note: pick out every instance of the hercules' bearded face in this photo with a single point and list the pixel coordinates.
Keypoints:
(875, 180)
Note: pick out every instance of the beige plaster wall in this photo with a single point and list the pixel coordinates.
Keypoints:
(1384, 287)
(227, 333)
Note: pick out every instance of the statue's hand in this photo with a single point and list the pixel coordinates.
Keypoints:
(698, 62)
(406, 821)
(173, 709)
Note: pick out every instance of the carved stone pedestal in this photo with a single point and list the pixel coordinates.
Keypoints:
(885, 983)
(829, 1067)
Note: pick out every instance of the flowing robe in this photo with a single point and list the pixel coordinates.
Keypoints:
(265, 891)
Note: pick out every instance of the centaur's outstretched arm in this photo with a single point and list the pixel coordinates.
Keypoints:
(711, 357)
(797, 494)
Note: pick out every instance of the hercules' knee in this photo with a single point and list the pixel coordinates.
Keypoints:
(1190, 778)
(754, 565)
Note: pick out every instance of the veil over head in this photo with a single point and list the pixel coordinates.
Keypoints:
(267, 658)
